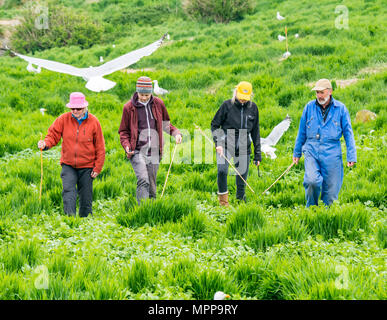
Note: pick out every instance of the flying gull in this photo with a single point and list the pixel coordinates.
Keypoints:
(93, 75)
(271, 140)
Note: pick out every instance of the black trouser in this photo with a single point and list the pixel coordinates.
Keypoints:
(241, 164)
(77, 181)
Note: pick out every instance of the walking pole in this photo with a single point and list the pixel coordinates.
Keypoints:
(231, 165)
(286, 36)
(41, 170)
(285, 172)
(165, 183)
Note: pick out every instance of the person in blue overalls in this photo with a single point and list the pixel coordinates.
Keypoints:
(322, 124)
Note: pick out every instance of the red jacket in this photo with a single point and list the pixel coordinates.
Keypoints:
(83, 145)
(129, 124)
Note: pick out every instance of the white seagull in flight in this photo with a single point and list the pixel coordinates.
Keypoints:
(93, 75)
(274, 136)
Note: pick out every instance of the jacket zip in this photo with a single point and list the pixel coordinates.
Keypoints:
(76, 144)
(147, 120)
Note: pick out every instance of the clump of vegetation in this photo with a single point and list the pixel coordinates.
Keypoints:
(157, 211)
(151, 14)
(381, 233)
(20, 254)
(139, 275)
(58, 27)
(8, 4)
(346, 221)
(205, 283)
(194, 224)
(244, 220)
(219, 11)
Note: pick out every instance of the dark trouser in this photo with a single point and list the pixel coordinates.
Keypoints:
(242, 165)
(146, 173)
(77, 181)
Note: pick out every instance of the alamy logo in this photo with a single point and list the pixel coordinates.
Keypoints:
(341, 22)
(42, 278)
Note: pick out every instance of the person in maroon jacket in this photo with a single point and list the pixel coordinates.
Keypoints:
(144, 118)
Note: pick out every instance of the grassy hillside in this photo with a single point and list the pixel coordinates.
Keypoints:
(185, 246)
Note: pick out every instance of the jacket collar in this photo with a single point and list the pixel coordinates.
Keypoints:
(240, 105)
(86, 115)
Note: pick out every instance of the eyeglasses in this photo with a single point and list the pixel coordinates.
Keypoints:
(77, 109)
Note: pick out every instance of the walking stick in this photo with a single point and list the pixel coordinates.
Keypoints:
(286, 35)
(165, 183)
(285, 172)
(231, 165)
(41, 170)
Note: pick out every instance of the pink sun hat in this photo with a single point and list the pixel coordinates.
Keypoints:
(77, 100)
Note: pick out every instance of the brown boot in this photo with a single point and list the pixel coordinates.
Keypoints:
(223, 199)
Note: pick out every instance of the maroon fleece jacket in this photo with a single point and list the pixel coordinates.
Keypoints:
(129, 124)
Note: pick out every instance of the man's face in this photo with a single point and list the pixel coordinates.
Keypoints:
(144, 97)
(78, 112)
(323, 96)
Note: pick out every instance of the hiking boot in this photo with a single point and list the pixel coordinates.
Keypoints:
(223, 199)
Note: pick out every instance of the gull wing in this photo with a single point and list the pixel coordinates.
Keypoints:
(53, 65)
(278, 131)
(126, 60)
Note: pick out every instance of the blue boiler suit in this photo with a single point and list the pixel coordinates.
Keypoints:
(319, 140)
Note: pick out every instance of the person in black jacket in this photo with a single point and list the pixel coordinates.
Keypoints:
(234, 126)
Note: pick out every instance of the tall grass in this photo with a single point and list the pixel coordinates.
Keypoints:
(19, 254)
(245, 219)
(139, 275)
(270, 234)
(270, 248)
(348, 220)
(205, 283)
(157, 211)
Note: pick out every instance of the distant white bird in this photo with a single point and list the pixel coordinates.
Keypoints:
(42, 110)
(286, 55)
(100, 59)
(31, 68)
(94, 75)
(296, 35)
(279, 17)
(219, 295)
(168, 37)
(113, 45)
(274, 136)
(281, 38)
(157, 90)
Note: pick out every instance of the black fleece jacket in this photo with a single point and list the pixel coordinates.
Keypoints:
(244, 119)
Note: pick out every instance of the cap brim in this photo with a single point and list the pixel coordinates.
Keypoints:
(241, 96)
(319, 88)
(71, 106)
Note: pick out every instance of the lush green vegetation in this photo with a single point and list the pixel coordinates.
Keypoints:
(184, 246)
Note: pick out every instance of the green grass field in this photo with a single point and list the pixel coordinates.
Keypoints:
(184, 246)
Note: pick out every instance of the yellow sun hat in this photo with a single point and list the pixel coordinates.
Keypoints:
(244, 91)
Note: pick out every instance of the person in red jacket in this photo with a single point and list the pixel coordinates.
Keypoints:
(144, 118)
(82, 154)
